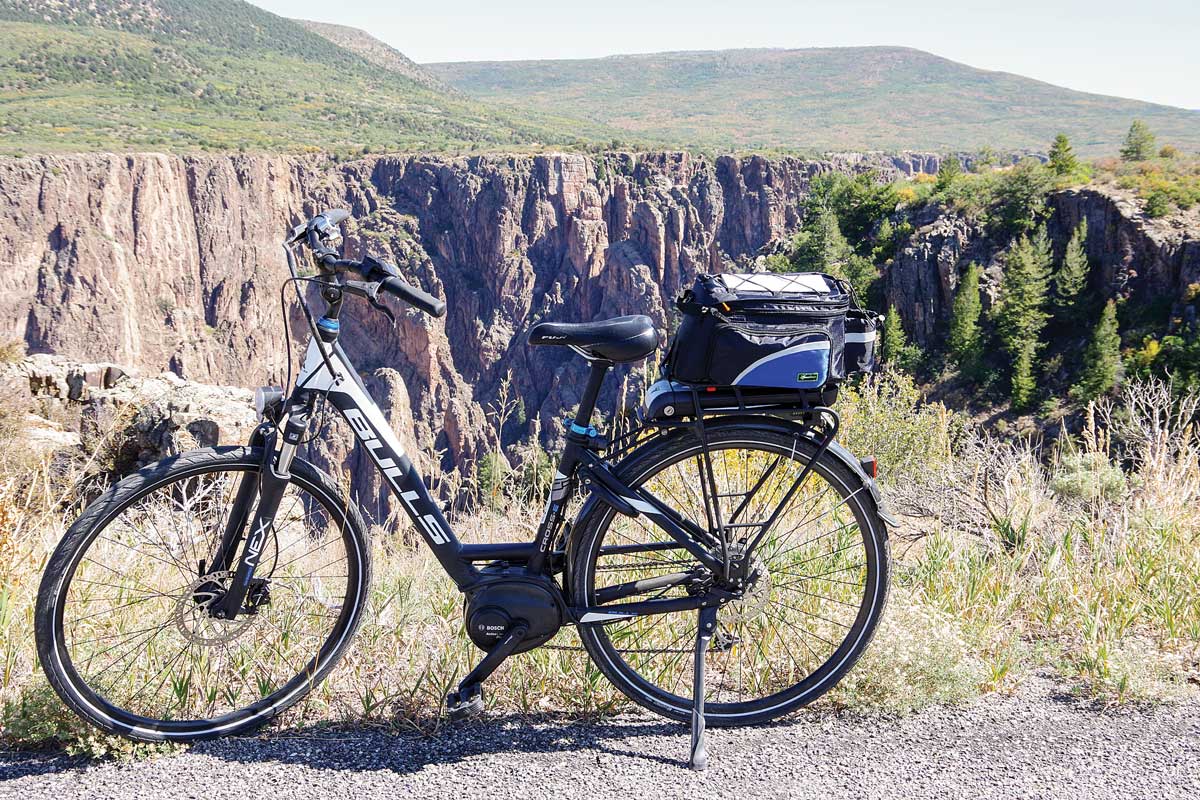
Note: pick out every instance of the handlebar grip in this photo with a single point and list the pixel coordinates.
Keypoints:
(335, 216)
(414, 296)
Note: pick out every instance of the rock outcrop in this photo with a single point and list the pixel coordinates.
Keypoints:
(161, 262)
(1150, 262)
(126, 420)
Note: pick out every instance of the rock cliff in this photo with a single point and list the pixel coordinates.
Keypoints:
(173, 263)
(158, 262)
(1154, 263)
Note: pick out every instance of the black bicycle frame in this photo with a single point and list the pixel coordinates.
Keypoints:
(327, 372)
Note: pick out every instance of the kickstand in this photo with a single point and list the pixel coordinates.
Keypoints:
(704, 632)
(468, 699)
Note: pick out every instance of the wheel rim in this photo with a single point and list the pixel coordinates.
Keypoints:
(817, 566)
(131, 634)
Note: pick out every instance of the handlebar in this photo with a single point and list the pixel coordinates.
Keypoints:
(384, 276)
(414, 296)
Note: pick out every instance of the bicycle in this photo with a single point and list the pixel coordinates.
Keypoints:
(207, 593)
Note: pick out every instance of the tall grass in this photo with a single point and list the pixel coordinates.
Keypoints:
(1080, 556)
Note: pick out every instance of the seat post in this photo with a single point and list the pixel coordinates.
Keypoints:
(587, 405)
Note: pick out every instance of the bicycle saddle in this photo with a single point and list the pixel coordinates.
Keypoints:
(620, 339)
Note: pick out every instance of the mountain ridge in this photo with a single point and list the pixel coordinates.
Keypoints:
(376, 51)
(855, 98)
(185, 75)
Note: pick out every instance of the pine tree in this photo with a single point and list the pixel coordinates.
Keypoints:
(1072, 274)
(1102, 359)
(1024, 387)
(820, 245)
(896, 350)
(1022, 313)
(1139, 142)
(1062, 157)
(949, 169)
(965, 342)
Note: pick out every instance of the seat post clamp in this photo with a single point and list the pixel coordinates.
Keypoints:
(588, 436)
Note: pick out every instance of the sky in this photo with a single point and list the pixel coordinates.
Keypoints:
(1143, 49)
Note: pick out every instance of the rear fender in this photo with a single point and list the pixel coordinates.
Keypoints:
(776, 425)
(835, 449)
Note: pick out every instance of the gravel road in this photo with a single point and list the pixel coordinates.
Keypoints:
(1038, 742)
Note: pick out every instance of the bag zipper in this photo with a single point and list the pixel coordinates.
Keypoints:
(779, 330)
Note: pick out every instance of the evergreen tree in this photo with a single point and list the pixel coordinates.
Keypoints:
(820, 245)
(1021, 195)
(885, 242)
(1072, 274)
(896, 350)
(1024, 387)
(1062, 157)
(861, 274)
(949, 169)
(965, 340)
(1139, 142)
(1022, 313)
(1102, 359)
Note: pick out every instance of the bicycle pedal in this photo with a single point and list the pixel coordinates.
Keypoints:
(459, 707)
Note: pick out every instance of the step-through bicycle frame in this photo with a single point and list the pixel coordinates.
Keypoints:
(331, 375)
(327, 373)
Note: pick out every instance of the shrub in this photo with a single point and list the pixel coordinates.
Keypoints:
(919, 657)
(1158, 204)
(1088, 476)
(1021, 197)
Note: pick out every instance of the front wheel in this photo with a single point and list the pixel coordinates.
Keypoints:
(123, 623)
(817, 583)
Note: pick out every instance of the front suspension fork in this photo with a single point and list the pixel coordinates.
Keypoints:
(272, 481)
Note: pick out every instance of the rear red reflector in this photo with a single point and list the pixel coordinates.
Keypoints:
(870, 466)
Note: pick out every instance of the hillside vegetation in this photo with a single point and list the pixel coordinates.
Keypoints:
(185, 75)
(858, 98)
(1033, 328)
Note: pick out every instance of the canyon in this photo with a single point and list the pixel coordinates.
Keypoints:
(173, 263)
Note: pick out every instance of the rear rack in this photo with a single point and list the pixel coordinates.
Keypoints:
(676, 401)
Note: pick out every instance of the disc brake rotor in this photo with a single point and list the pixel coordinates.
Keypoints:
(192, 617)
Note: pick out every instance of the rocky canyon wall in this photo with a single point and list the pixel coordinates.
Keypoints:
(173, 263)
(160, 262)
(1153, 263)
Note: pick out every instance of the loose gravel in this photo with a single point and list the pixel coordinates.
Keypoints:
(1038, 742)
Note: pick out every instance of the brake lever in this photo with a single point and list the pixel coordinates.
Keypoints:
(378, 306)
(370, 291)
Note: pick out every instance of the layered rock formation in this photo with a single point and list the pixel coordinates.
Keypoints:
(160, 262)
(1150, 262)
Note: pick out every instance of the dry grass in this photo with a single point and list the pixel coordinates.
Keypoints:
(1012, 556)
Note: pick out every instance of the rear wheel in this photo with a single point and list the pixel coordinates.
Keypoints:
(818, 583)
(123, 626)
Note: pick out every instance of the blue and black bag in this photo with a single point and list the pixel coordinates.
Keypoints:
(770, 330)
